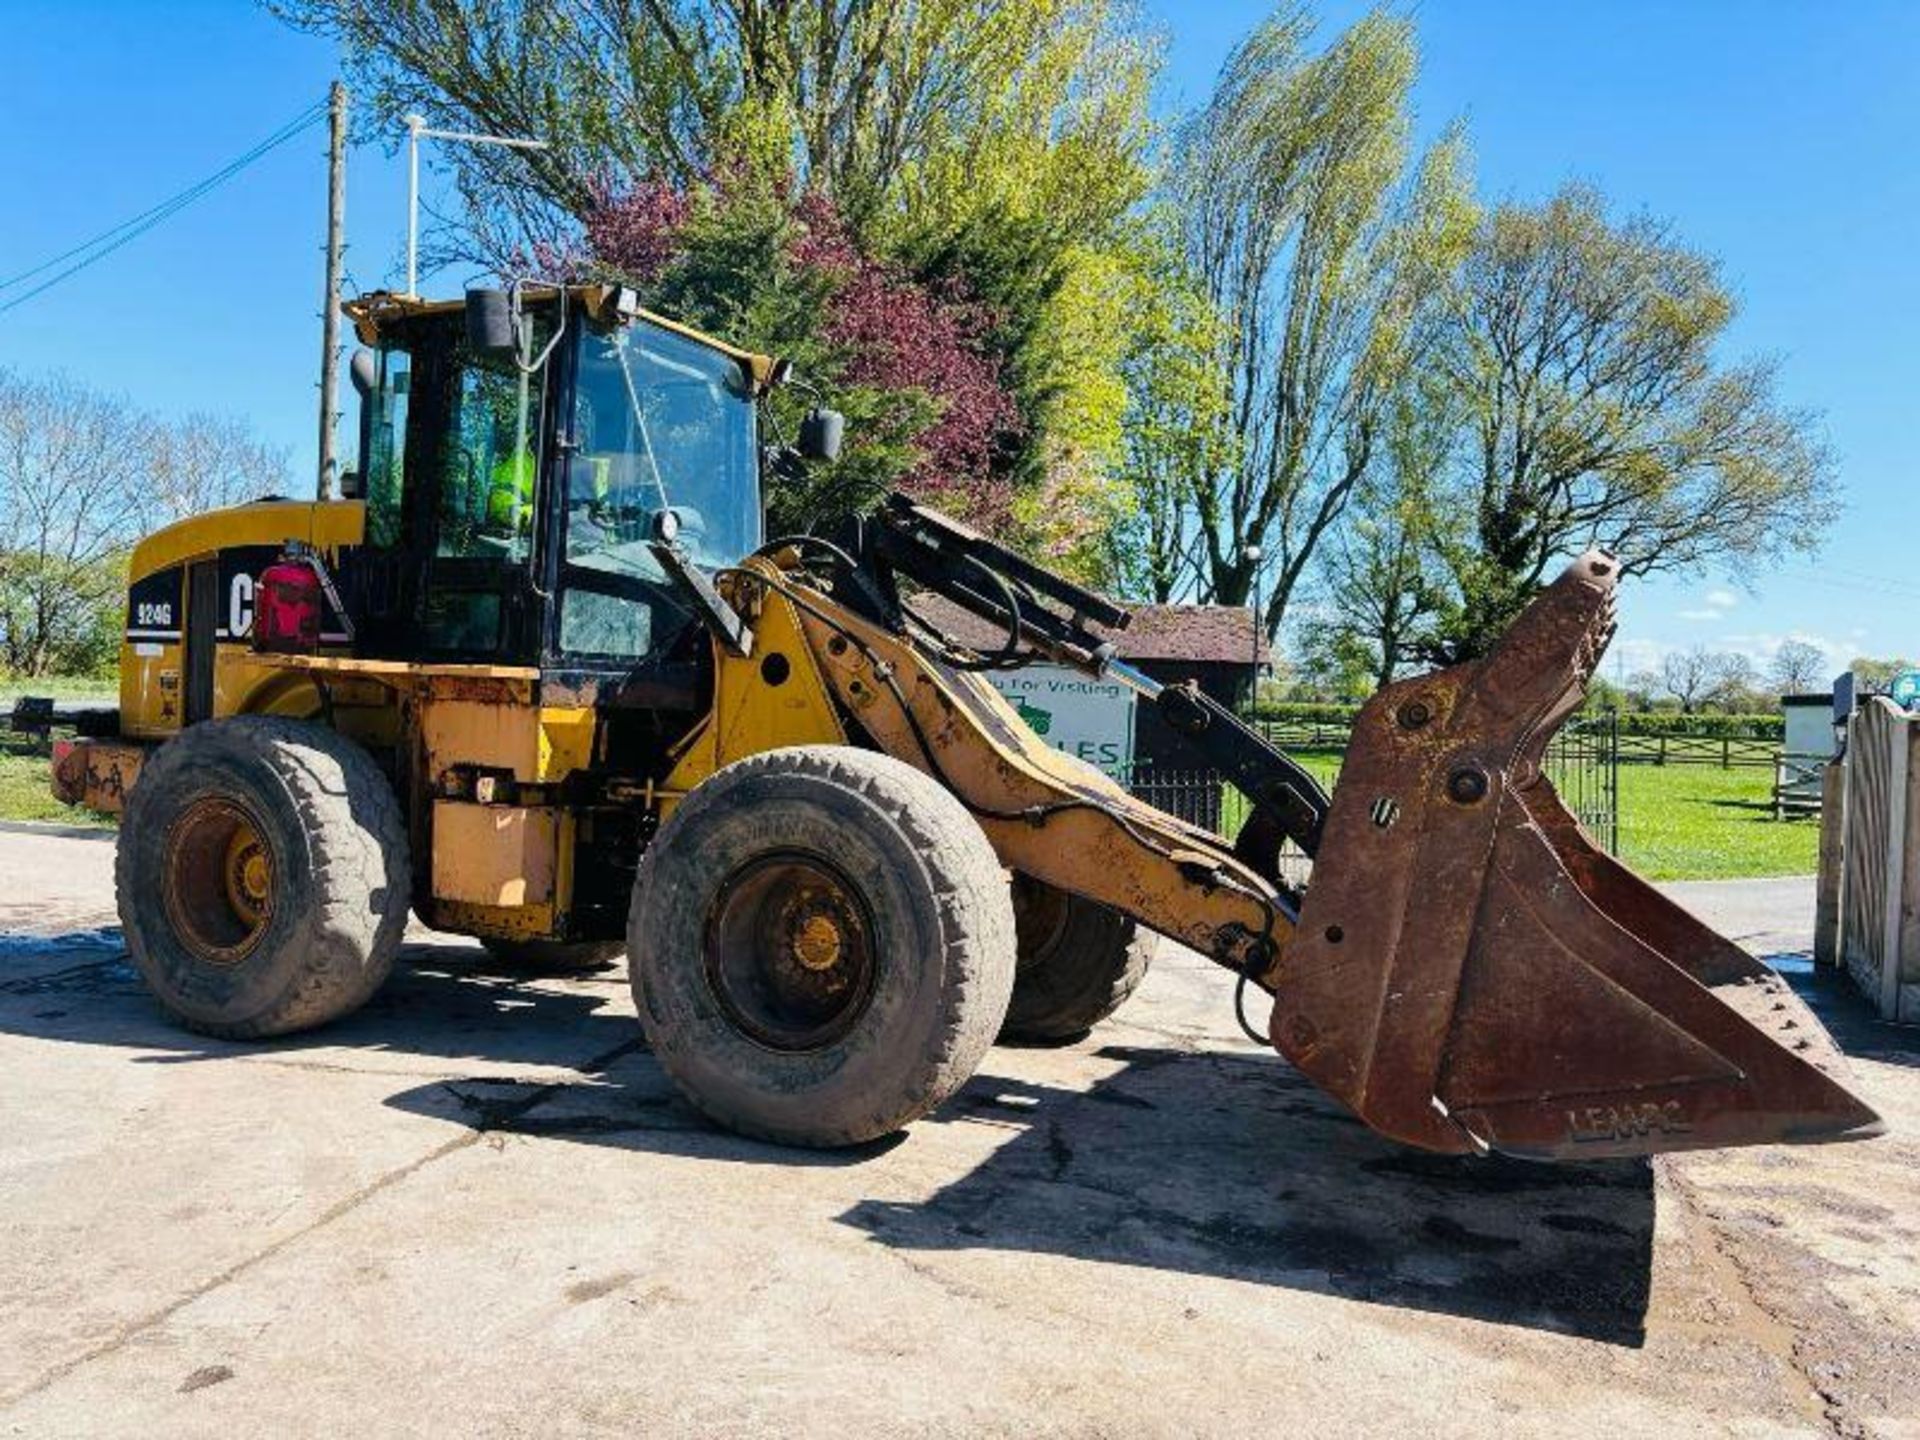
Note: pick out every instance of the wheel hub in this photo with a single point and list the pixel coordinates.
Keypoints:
(789, 953)
(817, 943)
(218, 880)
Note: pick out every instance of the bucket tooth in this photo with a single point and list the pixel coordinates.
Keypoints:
(1470, 972)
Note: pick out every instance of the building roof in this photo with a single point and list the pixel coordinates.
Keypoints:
(1191, 634)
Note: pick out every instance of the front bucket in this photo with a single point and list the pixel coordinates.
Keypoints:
(1471, 973)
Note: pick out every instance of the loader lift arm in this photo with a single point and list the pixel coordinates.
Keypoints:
(1466, 971)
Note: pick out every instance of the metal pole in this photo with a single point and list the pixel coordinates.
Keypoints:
(415, 124)
(417, 131)
(1253, 555)
(1253, 679)
(330, 302)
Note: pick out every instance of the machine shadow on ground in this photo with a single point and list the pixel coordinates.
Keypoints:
(1228, 1165)
(1234, 1165)
(451, 1001)
(1212, 1163)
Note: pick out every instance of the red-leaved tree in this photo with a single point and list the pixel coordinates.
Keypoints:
(910, 361)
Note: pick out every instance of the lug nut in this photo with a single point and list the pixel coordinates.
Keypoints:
(1467, 786)
(1414, 714)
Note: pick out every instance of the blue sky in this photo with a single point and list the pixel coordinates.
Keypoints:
(1779, 137)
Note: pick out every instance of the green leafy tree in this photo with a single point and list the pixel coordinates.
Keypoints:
(994, 148)
(1384, 583)
(1876, 676)
(1585, 355)
(865, 100)
(1320, 242)
(1175, 424)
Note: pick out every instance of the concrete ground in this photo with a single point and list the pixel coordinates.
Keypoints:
(477, 1208)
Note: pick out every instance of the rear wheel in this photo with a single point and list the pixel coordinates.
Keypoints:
(262, 876)
(1079, 960)
(822, 945)
(555, 957)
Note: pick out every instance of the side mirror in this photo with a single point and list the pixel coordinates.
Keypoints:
(364, 371)
(821, 433)
(492, 327)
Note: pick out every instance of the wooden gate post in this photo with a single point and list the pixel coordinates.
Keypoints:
(1880, 859)
(1833, 833)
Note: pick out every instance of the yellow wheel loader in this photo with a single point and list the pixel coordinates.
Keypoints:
(592, 706)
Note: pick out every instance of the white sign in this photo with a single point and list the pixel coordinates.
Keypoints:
(1090, 718)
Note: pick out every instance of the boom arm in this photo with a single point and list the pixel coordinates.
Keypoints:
(1048, 815)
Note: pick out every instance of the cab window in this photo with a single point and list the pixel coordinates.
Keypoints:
(660, 422)
(488, 462)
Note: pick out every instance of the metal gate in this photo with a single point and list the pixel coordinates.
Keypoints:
(1583, 761)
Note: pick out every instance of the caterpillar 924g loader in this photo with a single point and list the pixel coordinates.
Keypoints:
(543, 680)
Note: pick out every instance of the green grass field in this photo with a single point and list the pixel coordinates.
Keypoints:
(23, 762)
(1680, 822)
(1697, 822)
(24, 795)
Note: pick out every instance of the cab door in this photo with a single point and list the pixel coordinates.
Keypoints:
(451, 521)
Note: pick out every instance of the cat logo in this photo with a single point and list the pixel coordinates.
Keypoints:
(240, 605)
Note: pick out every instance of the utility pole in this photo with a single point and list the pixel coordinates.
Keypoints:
(330, 302)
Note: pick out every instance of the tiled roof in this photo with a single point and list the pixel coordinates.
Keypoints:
(1196, 634)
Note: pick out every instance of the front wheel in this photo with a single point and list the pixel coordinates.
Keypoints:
(821, 945)
(262, 876)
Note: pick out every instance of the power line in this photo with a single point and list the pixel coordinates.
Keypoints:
(184, 197)
(108, 241)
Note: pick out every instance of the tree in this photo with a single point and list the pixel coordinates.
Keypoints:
(1319, 246)
(1383, 585)
(1643, 688)
(1876, 676)
(868, 101)
(1584, 351)
(1736, 683)
(985, 149)
(82, 476)
(1700, 677)
(906, 361)
(1797, 666)
(1175, 424)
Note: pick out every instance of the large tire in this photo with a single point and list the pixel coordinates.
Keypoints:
(262, 876)
(1078, 962)
(821, 945)
(555, 957)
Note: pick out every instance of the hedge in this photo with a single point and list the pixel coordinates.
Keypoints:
(1632, 722)
(1711, 727)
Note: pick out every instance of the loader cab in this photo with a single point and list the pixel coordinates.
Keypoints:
(512, 490)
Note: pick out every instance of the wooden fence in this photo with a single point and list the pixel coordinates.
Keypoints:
(1728, 752)
(1869, 915)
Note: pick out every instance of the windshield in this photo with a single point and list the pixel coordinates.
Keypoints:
(661, 422)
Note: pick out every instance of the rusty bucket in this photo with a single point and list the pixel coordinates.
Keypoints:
(1471, 973)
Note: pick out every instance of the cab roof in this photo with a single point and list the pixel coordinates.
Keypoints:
(377, 308)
